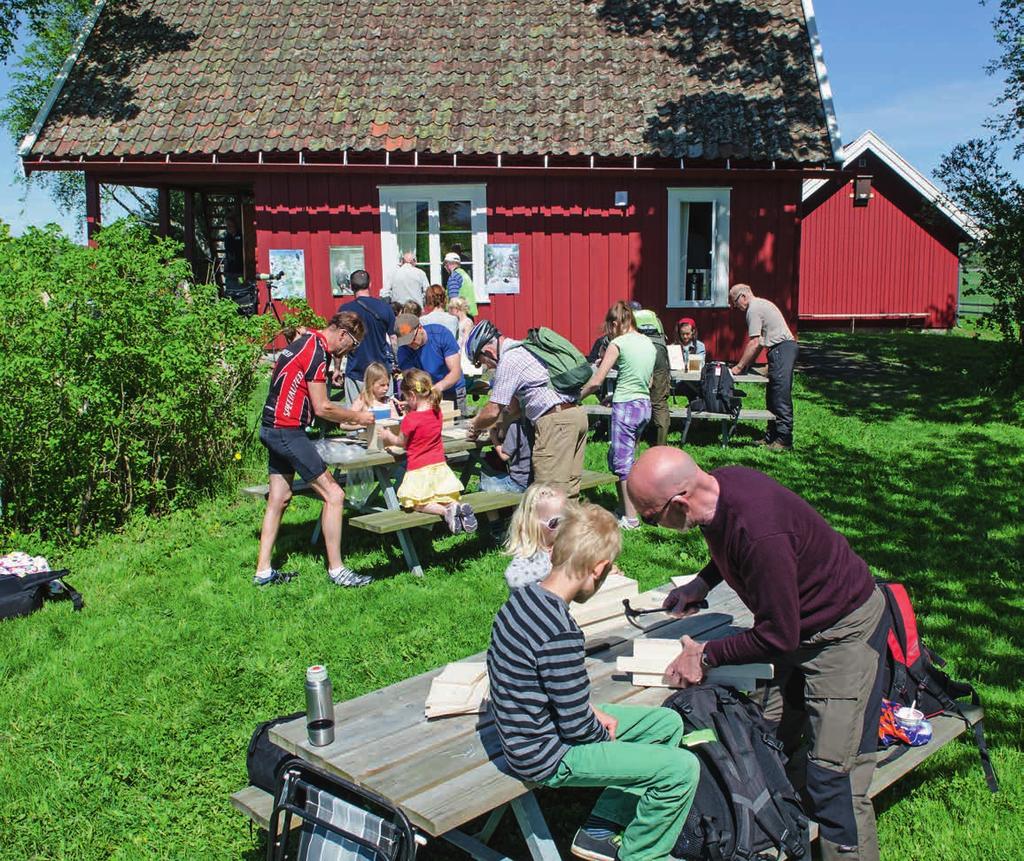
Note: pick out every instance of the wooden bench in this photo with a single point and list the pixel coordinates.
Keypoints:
(728, 421)
(258, 805)
(483, 502)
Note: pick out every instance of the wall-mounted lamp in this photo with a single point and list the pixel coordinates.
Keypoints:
(622, 198)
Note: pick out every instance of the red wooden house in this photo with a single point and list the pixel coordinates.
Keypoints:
(880, 244)
(629, 150)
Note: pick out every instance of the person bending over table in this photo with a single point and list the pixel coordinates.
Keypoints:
(522, 382)
(432, 348)
(531, 534)
(817, 617)
(552, 734)
(429, 484)
(298, 392)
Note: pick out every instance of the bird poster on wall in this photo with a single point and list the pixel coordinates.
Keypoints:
(345, 259)
(292, 263)
(501, 269)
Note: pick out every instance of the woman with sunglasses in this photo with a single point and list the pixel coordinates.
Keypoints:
(532, 533)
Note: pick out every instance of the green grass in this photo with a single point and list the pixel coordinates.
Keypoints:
(123, 728)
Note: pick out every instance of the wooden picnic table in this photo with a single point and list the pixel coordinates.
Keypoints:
(446, 772)
(694, 377)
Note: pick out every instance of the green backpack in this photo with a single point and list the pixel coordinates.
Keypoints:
(567, 367)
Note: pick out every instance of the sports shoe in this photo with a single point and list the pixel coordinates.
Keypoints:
(629, 522)
(345, 576)
(467, 517)
(593, 848)
(273, 576)
(452, 517)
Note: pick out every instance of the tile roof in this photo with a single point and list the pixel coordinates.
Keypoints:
(707, 79)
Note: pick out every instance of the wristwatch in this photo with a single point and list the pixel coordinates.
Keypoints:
(704, 662)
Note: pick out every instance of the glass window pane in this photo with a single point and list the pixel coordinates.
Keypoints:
(460, 243)
(455, 215)
(422, 215)
(423, 248)
(697, 221)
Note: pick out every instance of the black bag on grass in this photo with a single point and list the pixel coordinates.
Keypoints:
(264, 759)
(717, 394)
(20, 596)
(745, 804)
(912, 675)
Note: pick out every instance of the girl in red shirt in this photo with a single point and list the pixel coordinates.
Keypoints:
(429, 484)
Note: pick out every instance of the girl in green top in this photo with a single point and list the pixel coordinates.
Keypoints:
(632, 355)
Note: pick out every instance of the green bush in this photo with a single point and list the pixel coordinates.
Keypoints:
(125, 387)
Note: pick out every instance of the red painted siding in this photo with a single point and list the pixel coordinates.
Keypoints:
(890, 257)
(578, 252)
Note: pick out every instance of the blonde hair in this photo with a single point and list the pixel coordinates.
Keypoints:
(458, 304)
(524, 532)
(374, 373)
(587, 535)
(619, 320)
(418, 383)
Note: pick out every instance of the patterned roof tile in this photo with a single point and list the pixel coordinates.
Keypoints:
(702, 79)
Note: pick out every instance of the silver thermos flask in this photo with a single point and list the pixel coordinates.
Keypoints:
(319, 706)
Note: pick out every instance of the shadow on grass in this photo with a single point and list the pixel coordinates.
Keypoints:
(882, 377)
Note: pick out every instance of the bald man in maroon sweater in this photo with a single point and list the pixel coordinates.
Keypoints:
(817, 617)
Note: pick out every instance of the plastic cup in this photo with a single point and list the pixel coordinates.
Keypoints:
(908, 718)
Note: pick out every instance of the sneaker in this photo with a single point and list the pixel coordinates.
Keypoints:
(273, 576)
(453, 519)
(629, 522)
(593, 848)
(468, 517)
(345, 576)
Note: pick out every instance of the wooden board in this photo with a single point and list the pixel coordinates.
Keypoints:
(383, 522)
(607, 603)
(258, 805)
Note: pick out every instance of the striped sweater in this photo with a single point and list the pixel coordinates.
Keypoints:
(540, 693)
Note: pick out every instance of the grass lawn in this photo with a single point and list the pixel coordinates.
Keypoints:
(123, 729)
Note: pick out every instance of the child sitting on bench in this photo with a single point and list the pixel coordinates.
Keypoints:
(374, 396)
(429, 484)
(552, 734)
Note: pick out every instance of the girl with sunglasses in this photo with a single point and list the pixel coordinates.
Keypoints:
(531, 534)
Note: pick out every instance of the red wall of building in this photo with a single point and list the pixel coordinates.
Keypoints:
(578, 252)
(890, 257)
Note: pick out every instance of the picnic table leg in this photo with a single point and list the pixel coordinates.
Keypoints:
(535, 829)
(473, 847)
(391, 501)
(686, 427)
(491, 825)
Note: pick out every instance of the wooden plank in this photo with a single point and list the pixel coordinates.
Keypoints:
(654, 680)
(382, 522)
(598, 411)
(258, 805)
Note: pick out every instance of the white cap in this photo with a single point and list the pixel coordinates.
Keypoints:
(452, 257)
(316, 673)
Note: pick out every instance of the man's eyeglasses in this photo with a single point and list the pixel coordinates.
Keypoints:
(355, 341)
(655, 519)
(552, 523)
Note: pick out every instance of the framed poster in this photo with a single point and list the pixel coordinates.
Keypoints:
(292, 262)
(501, 269)
(345, 259)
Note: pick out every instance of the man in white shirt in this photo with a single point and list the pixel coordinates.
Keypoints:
(407, 283)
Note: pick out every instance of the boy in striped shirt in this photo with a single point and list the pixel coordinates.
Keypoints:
(552, 734)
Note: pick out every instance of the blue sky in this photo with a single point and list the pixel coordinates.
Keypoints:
(911, 70)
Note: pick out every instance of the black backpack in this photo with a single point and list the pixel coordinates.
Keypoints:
(717, 394)
(912, 674)
(20, 596)
(745, 804)
(264, 759)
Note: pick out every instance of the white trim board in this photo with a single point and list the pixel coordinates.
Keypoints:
(869, 141)
(824, 86)
(720, 198)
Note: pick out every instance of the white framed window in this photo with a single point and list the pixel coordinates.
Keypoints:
(433, 220)
(698, 248)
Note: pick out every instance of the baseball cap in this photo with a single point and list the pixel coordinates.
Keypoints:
(452, 257)
(405, 328)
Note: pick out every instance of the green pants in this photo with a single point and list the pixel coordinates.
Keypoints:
(650, 781)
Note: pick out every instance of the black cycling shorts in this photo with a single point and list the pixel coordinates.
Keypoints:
(292, 451)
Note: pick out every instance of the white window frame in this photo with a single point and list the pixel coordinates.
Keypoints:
(720, 230)
(392, 195)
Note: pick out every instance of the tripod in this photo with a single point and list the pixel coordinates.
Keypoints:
(269, 305)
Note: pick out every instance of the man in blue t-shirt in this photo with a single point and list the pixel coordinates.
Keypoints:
(378, 321)
(432, 348)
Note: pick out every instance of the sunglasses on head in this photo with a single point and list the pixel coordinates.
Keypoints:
(552, 523)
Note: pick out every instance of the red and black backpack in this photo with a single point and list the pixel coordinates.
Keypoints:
(913, 675)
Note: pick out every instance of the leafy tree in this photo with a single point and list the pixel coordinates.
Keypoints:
(975, 180)
(50, 28)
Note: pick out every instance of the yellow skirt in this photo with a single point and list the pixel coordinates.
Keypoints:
(434, 483)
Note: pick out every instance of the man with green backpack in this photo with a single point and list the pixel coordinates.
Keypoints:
(540, 376)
